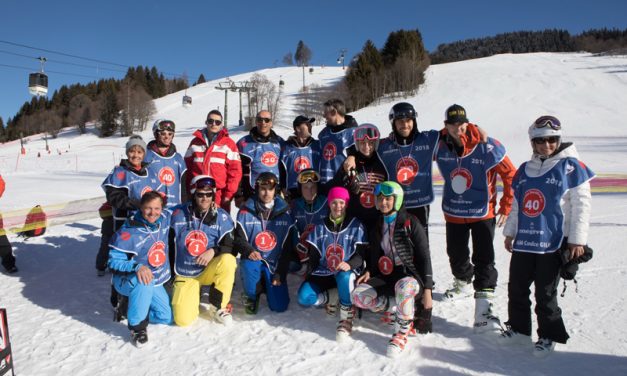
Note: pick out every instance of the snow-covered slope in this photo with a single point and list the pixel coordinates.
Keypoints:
(59, 312)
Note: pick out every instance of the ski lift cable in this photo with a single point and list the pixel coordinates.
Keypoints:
(51, 71)
(79, 57)
(63, 62)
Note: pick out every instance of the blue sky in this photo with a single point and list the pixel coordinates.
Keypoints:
(222, 38)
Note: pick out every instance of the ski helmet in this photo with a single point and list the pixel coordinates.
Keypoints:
(202, 181)
(390, 188)
(267, 179)
(545, 126)
(163, 125)
(367, 132)
(403, 110)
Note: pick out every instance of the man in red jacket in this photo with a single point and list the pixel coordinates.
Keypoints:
(212, 152)
(6, 251)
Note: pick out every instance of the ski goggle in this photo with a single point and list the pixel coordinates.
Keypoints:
(308, 176)
(270, 183)
(383, 189)
(366, 133)
(166, 125)
(409, 114)
(548, 121)
(206, 182)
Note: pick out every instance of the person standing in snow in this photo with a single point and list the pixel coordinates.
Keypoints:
(368, 171)
(213, 152)
(165, 162)
(201, 235)
(124, 187)
(260, 152)
(335, 248)
(6, 250)
(138, 259)
(301, 152)
(469, 169)
(334, 139)
(398, 266)
(549, 222)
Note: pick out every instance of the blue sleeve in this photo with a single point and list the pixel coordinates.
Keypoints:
(119, 261)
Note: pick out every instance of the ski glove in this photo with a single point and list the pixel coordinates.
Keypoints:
(422, 322)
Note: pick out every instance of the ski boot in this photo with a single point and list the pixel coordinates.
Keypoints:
(345, 326)
(139, 338)
(399, 338)
(459, 289)
(121, 308)
(485, 319)
(332, 302)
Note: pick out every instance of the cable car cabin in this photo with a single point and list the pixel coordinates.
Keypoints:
(187, 101)
(38, 84)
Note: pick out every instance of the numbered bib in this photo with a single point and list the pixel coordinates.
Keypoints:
(334, 255)
(533, 203)
(386, 266)
(156, 254)
(461, 179)
(265, 241)
(367, 199)
(166, 176)
(196, 243)
(329, 151)
(406, 170)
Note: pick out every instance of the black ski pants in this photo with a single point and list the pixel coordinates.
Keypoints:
(544, 271)
(6, 253)
(422, 213)
(106, 232)
(482, 266)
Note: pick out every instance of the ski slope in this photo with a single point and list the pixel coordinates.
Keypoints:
(61, 321)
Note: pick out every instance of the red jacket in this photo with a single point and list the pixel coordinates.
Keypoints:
(220, 160)
(505, 169)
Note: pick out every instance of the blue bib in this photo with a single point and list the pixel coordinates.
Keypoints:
(333, 151)
(466, 193)
(169, 171)
(193, 238)
(411, 166)
(296, 158)
(264, 156)
(269, 241)
(146, 247)
(540, 216)
(136, 185)
(335, 247)
(305, 219)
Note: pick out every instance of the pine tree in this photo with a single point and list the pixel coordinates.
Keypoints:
(201, 79)
(109, 114)
(303, 54)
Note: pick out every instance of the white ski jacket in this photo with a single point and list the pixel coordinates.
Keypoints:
(576, 203)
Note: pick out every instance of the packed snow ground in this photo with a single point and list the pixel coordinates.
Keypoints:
(61, 321)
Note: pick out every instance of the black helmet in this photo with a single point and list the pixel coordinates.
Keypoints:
(267, 178)
(403, 110)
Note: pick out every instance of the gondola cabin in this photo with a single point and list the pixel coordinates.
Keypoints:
(187, 101)
(38, 84)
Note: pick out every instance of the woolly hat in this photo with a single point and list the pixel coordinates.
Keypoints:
(135, 140)
(338, 192)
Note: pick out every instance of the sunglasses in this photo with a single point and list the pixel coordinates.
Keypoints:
(213, 121)
(308, 176)
(204, 194)
(548, 121)
(264, 120)
(550, 140)
(366, 133)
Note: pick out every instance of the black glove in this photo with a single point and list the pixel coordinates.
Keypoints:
(422, 321)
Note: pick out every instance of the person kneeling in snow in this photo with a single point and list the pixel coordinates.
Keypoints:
(201, 233)
(262, 236)
(335, 248)
(398, 266)
(138, 259)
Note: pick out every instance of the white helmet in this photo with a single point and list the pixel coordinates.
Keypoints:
(545, 126)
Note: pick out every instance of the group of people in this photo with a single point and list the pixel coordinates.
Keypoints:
(349, 211)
